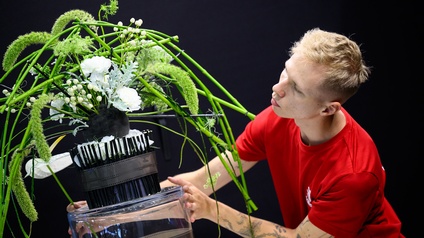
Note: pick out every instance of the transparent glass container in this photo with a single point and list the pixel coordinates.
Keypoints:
(161, 215)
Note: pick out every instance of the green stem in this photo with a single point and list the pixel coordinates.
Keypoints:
(233, 107)
(60, 185)
(12, 175)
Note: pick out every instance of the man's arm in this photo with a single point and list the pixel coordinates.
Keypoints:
(201, 206)
(200, 176)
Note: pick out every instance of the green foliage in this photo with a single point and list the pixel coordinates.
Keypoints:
(15, 49)
(143, 59)
(68, 17)
(36, 126)
(74, 45)
(19, 189)
(183, 80)
(110, 9)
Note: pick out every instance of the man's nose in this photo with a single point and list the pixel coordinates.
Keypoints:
(277, 89)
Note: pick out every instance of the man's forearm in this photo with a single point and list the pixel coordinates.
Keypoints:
(244, 225)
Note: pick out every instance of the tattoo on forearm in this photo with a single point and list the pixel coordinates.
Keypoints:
(277, 233)
(227, 224)
(252, 228)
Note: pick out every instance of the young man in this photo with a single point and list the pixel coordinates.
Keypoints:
(325, 167)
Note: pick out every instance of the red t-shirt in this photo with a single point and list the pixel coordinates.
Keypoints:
(339, 184)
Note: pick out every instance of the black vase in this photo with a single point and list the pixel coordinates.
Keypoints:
(117, 170)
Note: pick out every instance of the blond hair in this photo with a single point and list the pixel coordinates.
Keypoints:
(346, 70)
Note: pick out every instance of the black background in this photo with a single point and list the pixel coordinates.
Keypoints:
(244, 44)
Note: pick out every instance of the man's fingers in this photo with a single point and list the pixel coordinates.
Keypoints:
(76, 205)
(80, 204)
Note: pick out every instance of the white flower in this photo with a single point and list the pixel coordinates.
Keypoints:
(138, 22)
(95, 65)
(99, 80)
(130, 98)
(39, 167)
(55, 115)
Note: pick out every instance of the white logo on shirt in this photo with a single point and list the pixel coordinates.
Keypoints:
(308, 196)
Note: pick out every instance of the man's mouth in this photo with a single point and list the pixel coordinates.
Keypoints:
(274, 103)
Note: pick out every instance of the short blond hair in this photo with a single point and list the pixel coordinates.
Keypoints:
(346, 70)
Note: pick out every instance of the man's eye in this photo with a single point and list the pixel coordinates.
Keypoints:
(296, 89)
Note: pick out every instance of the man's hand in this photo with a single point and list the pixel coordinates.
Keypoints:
(198, 203)
(72, 207)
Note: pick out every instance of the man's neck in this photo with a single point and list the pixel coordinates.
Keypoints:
(322, 129)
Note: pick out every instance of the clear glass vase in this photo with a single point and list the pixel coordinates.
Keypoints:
(161, 215)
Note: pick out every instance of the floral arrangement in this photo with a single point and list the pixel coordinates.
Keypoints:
(85, 67)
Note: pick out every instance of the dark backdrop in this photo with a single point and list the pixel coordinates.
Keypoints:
(244, 44)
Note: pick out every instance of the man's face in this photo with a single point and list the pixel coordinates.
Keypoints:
(297, 93)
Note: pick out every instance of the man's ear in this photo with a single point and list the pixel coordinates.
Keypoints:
(331, 109)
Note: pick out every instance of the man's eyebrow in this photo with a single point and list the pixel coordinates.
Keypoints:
(285, 65)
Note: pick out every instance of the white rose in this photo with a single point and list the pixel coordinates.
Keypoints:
(95, 65)
(130, 98)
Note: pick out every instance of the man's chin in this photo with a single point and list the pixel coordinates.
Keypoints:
(279, 112)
